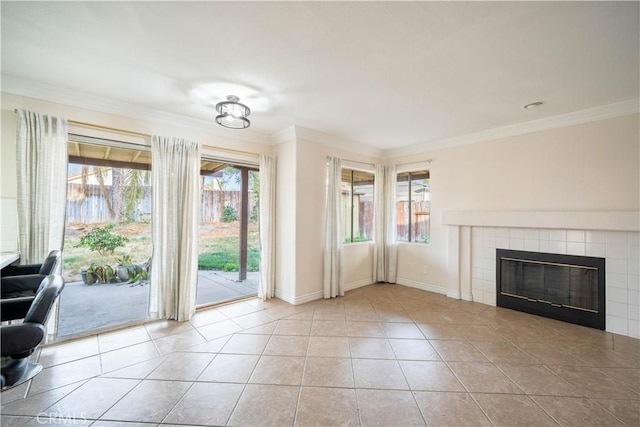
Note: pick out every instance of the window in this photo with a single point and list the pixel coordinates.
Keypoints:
(413, 206)
(357, 205)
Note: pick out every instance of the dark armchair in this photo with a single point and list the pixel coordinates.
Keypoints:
(18, 341)
(19, 284)
(47, 267)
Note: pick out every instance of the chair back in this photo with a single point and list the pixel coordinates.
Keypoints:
(48, 291)
(50, 263)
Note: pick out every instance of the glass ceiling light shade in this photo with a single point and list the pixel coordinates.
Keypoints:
(233, 115)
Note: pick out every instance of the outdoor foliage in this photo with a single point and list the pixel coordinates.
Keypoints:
(102, 240)
(99, 273)
(135, 273)
(133, 184)
(228, 261)
(230, 214)
(357, 239)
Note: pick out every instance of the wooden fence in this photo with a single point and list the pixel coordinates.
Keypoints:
(88, 206)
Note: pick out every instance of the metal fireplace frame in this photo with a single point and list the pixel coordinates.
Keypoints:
(566, 313)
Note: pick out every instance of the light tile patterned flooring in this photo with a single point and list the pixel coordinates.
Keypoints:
(383, 355)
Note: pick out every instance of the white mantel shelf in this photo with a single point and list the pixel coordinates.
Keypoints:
(570, 220)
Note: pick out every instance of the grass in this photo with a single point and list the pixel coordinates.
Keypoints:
(219, 247)
(228, 261)
(223, 253)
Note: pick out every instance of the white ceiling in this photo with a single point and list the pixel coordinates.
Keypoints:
(382, 74)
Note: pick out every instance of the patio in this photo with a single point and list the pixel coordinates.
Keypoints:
(86, 308)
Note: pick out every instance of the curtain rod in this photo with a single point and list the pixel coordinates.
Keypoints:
(231, 150)
(109, 128)
(398, 164)
(417, 161)
(362, 163)
(146, 135)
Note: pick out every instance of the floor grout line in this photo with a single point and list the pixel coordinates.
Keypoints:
(337, 311)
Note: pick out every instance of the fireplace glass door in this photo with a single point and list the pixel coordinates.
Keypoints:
(564, 287)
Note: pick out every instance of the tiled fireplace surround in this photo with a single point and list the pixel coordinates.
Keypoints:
(475, 236)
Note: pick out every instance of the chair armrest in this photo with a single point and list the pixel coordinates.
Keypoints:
(20, 270)
(20, 286)
(20, 340)
(15, 308)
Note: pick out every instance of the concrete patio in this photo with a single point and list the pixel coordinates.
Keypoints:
(85, 308)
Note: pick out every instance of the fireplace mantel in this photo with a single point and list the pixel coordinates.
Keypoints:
(570, 220)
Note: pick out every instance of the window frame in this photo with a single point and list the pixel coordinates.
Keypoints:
(353, 171)
(410, 235)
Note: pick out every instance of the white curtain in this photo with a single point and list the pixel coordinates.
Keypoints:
(175, 175)
(267, 211)
(41, 157)
(385, 260)
(333, 272)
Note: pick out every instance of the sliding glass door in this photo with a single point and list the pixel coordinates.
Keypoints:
(229, 241)
(107, 245)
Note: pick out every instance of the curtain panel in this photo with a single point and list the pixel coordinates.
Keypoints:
(41, 157)
(266, 288)
(385, 259)
(175, 227)
(333, 270)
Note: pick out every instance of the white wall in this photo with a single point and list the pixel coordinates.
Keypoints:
(310, 207)
(586, 167)
(8, 185)
(358, 264)
(306, 176)
(286, 185)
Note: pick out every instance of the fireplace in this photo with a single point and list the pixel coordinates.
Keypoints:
(563, 287)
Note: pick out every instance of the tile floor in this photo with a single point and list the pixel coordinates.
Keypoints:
(87, 308)
(383, 355)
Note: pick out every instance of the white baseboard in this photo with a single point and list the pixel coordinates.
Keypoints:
(301, 299)
(453, 294)
(458, 295)
(308, 297)
(286, 298)
(358, 284)
(421, 285)
(319, 294)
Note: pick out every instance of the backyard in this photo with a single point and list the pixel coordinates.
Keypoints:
(219, 247)
(108, 247)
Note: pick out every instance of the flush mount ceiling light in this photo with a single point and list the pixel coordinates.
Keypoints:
(233, 115)
(532, 105)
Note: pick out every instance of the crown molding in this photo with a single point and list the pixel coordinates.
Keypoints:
(603, 112)
(37, 90)
(285, 135)
(335, 142)
(31, 89)
(294, 132)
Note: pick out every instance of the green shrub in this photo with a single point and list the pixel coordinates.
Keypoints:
(231, 267)
(229, 214)
(102, 240)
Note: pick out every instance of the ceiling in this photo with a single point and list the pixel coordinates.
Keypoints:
(381, 74)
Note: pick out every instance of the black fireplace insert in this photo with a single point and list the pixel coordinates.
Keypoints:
(564, 287)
